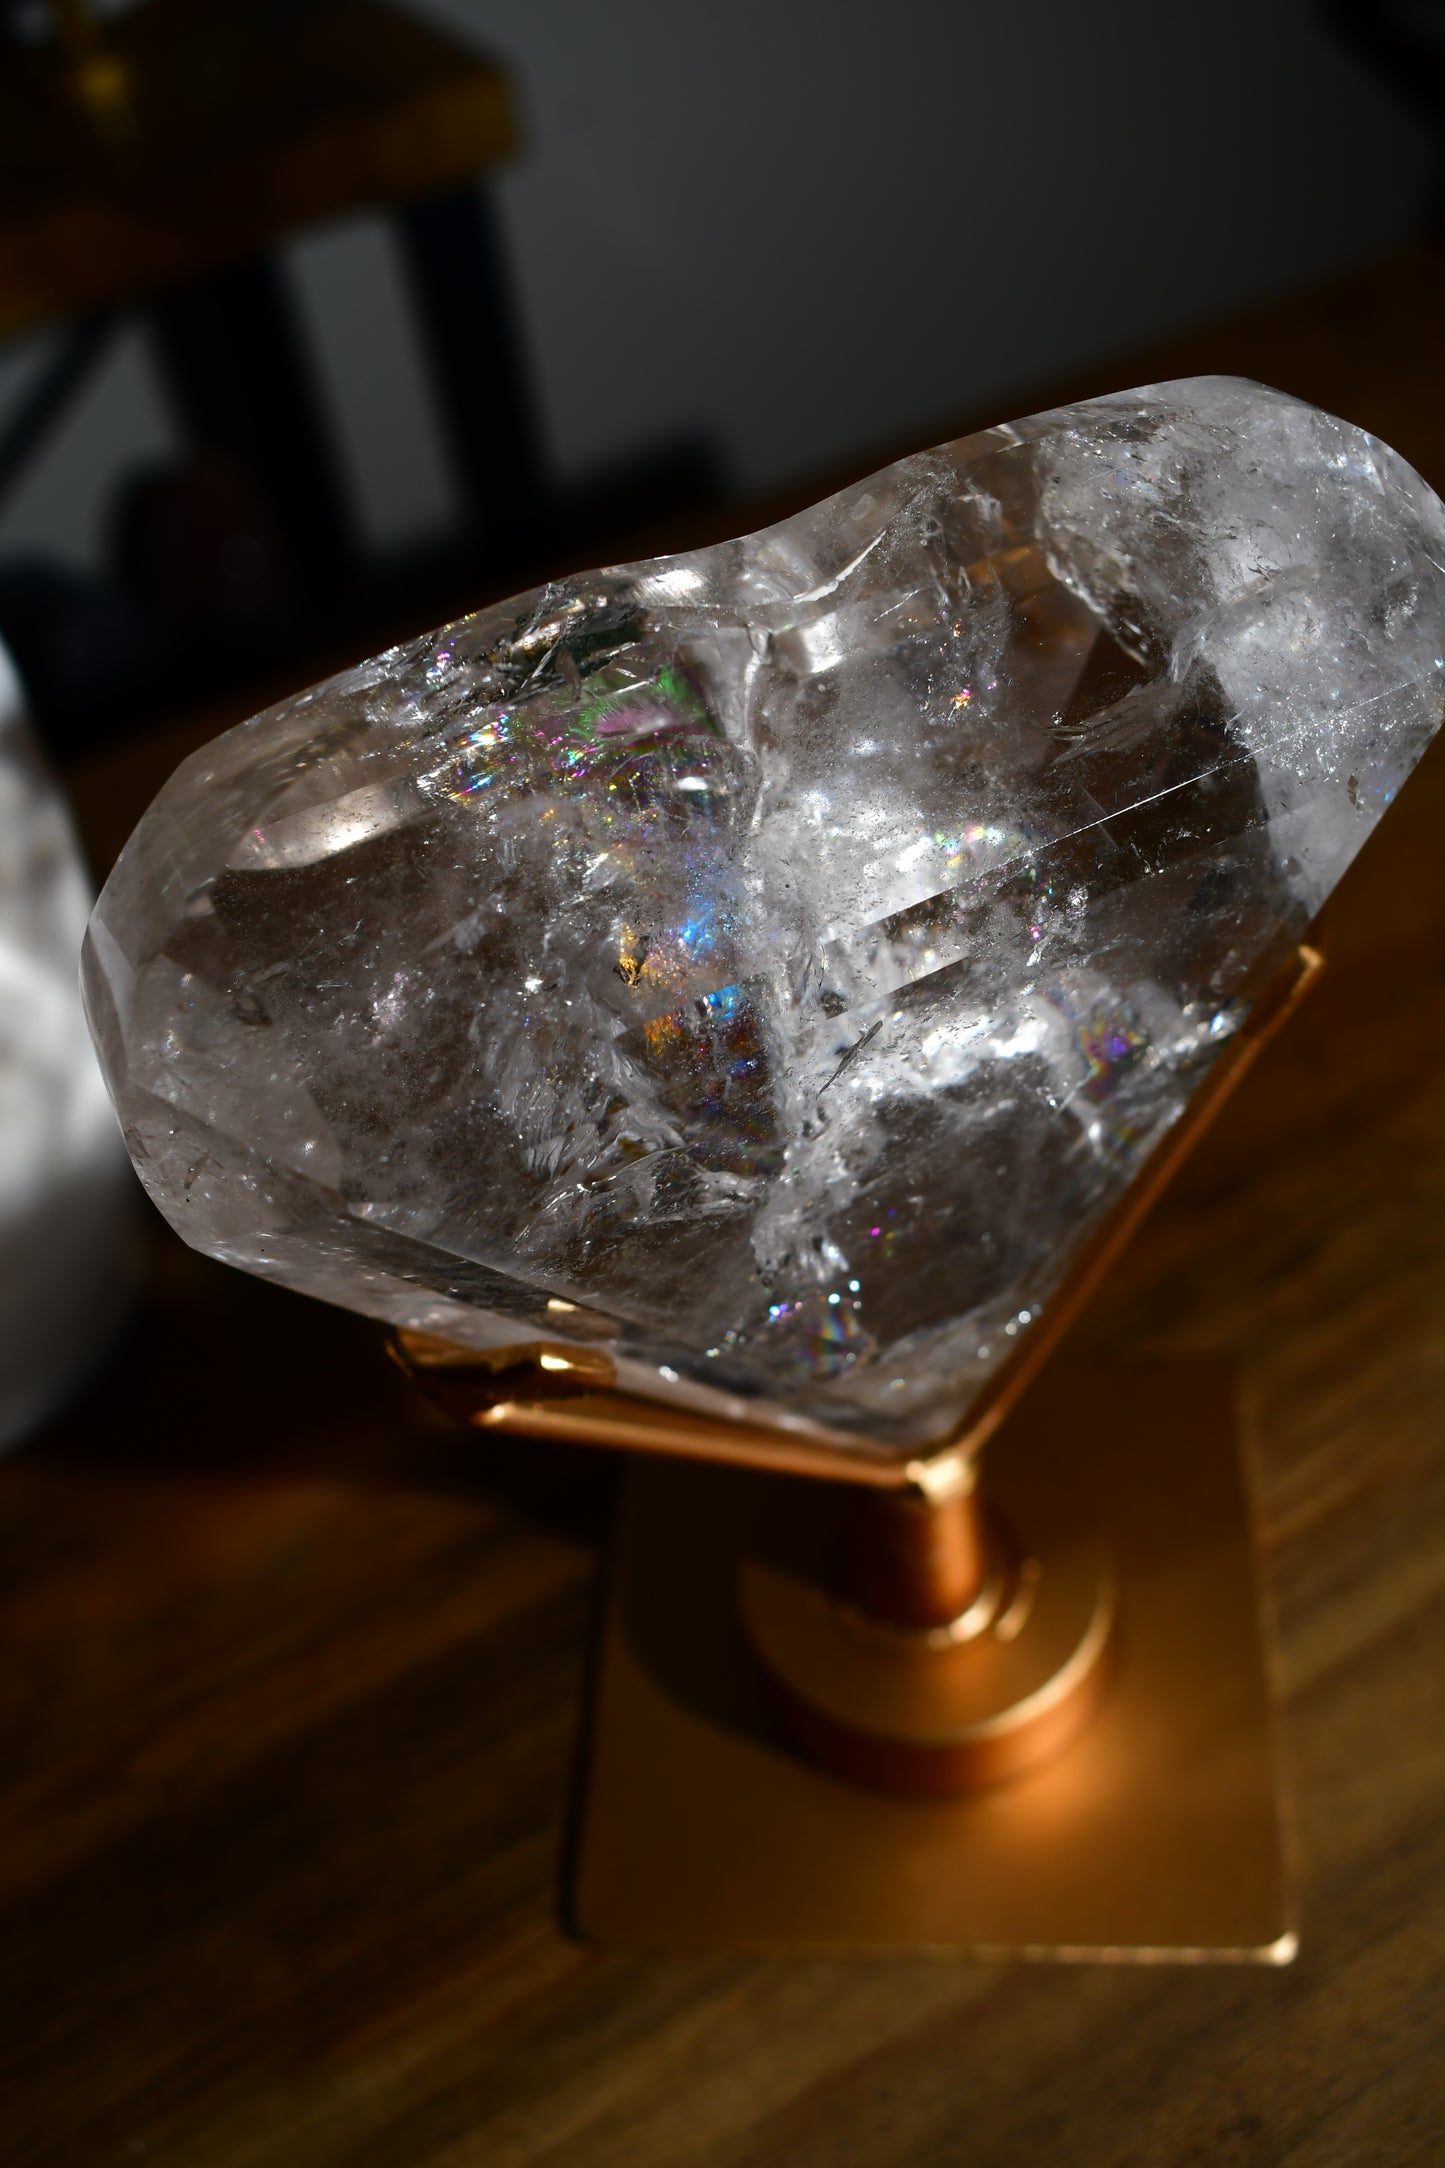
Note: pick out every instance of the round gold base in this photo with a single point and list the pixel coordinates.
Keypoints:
(950, 1708)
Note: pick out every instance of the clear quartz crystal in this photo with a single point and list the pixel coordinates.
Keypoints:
(772, 962)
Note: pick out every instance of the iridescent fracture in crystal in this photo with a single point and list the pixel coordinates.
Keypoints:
(773, 961)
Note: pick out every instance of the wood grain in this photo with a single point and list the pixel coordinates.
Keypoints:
(291, 1682)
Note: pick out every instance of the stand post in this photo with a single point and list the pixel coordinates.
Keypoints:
(917, 1558)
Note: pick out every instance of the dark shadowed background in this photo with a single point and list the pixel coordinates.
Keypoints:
(772, 241)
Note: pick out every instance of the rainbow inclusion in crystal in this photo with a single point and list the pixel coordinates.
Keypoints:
(773, 962)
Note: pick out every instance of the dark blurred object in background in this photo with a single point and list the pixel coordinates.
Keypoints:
(1402, 42)
(152, 167)
(194, 550)
(280, 242)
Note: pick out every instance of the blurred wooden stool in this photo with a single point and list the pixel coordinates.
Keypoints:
(160, 162)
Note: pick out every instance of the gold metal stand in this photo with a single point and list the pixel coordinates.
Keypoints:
(927, 1648)
(879, 1713)
(1154, 1834)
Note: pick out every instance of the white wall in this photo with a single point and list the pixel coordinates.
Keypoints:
(809, 228)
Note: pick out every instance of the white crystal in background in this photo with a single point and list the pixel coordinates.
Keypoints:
(65, 1190)
(784, 953)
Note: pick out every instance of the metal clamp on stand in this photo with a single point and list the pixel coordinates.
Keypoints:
(1008, 1704)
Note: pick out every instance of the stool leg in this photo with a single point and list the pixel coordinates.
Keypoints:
(234, 362)
(454, 260)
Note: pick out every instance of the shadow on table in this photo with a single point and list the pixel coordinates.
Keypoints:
(223, 1373)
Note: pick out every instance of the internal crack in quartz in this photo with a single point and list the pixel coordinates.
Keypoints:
(772, 962)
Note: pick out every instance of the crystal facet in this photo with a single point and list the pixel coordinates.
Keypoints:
(772, 962)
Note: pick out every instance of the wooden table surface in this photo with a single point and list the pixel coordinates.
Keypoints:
(290, 1676)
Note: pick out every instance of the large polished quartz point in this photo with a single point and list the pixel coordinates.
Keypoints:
(772, 962)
